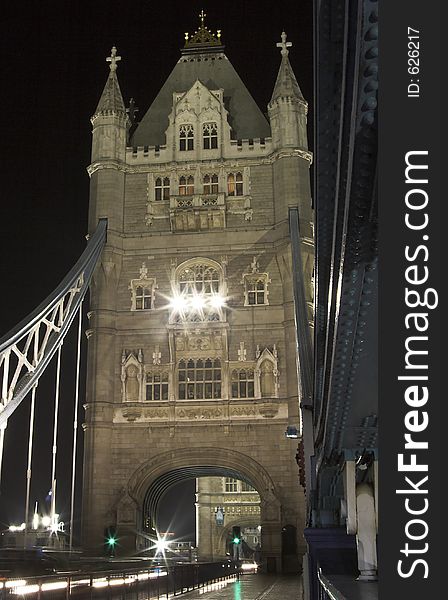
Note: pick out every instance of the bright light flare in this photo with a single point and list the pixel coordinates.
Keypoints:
(178, 303)
(198, 302)
(249, 567)
(217, 301)
(161, 545)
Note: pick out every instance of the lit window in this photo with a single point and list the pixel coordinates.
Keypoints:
(198, 279)
(156, 386)
(210, 184)
(186, 137)
(186, 186)
(199, 379)
(243, 383)
(230, 485)
(143, 298)
(235, 184)
(210, 136)
(162, 188)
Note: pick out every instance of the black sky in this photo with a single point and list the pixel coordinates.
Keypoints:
(52, 72)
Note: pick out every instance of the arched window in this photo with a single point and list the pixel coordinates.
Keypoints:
(186, 186)
(198, 279)
(211, 184)
(162, 189)
(235, 184)
(210, 136)
(186, 137)
(156, 386)
(243, 383)
(199, 379)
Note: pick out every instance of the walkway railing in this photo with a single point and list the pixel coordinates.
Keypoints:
(132, 584)
(326, 590)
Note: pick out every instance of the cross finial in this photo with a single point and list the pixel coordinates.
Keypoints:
(113, 59)
(202, 16)
(284, 45)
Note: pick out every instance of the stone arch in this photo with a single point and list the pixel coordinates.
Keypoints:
(235, 462)
(243, 521)
(162, 463)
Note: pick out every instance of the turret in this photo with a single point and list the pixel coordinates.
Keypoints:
(287, 108)
(109, 137)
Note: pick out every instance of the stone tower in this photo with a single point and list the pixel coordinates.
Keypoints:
(192, 367)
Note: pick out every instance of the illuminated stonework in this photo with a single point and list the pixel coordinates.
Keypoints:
(192, 346)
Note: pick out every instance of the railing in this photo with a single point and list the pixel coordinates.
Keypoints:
(326, 590)
(131, 584)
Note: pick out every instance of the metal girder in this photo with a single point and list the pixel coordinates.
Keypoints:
(26, 350)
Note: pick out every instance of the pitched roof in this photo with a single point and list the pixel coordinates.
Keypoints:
(216, 72)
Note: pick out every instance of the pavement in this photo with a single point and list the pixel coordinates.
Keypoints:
(251, 587)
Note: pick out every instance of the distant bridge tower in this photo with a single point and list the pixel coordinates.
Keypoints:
(192, 368)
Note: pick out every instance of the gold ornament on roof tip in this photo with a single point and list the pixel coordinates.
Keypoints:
(203, 36)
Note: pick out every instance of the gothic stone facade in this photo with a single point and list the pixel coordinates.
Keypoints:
(192, 342)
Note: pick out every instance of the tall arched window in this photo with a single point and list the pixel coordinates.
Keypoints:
(199, 379)
(199, 292)
(198, 279)
(235, 184)
(186, 185)
(211, 184)
(162, 188)
(186, 137)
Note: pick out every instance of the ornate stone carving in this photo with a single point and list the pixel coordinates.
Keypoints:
(242, 411)
(199, 413)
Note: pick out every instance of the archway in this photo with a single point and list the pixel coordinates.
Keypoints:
(150, 481)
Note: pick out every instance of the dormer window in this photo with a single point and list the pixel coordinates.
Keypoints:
(211, 184)
(210, 136)
(235, 184)
(162, 189)
(186, 186)
(186, 137)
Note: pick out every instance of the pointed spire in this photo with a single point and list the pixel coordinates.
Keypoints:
(111, 99)
(286, 84)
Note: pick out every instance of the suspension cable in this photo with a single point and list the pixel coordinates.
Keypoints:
(55, 435)
(75, 427)
(28, 469)
(2, 442)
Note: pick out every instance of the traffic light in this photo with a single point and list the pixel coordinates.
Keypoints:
(236, 534)
(110, 538)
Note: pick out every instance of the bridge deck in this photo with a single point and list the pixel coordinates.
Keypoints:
(251, 587)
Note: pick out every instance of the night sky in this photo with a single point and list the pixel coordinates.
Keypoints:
(53, 70)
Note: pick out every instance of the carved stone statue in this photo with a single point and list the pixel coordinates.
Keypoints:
(132, 384)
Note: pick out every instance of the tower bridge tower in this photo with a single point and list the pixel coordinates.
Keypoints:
(192, 361)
